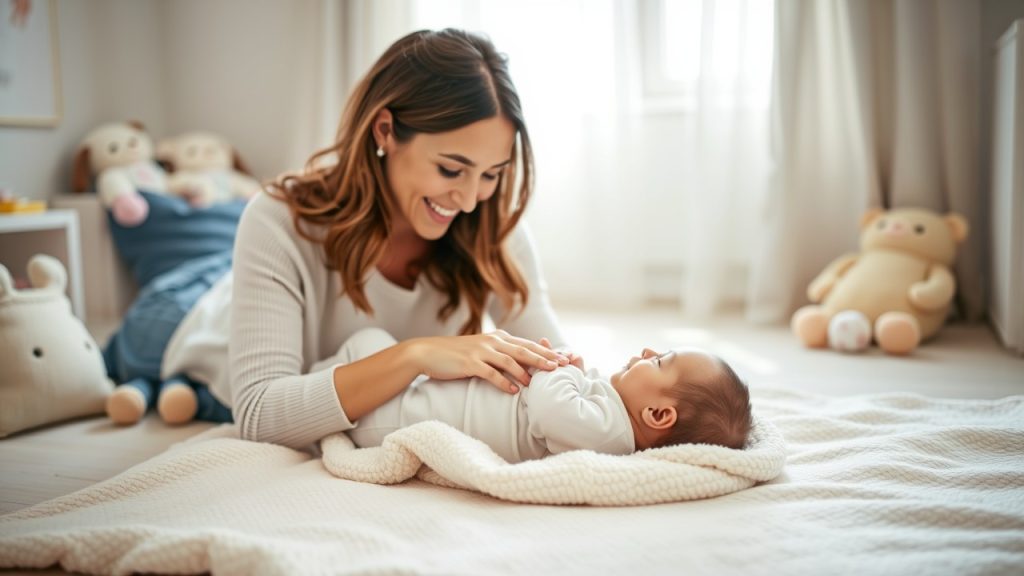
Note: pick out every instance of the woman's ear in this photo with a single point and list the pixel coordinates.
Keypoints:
(382, 128)
(660, 417)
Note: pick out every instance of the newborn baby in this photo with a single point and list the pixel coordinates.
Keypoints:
(682, 396)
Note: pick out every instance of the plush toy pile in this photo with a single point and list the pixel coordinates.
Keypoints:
(173, 218)
(896, 291)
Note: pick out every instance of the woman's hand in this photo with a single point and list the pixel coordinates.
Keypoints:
(574, 358)
(487, 356)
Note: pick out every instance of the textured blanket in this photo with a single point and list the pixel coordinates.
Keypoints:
(439, 454)
(887, 484)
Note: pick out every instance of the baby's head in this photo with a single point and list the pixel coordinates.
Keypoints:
(684, 396)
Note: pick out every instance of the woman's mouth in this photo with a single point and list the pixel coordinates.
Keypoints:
(439, 213)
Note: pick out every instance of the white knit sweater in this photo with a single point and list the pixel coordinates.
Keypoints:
(283, 315)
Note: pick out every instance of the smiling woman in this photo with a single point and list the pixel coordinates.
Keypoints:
(411, 228)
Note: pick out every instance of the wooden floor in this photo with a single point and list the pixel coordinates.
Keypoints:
(963, 362)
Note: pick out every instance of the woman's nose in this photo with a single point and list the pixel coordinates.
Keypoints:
(465, 199)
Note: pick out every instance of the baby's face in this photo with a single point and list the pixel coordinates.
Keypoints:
(646, 379)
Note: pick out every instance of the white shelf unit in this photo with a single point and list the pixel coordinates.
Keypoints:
(53, 232)
(1007, 194)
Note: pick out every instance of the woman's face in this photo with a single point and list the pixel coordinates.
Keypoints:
(434, 177)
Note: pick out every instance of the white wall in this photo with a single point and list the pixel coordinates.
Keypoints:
(219, 65)
(107, 53)
(230, 66)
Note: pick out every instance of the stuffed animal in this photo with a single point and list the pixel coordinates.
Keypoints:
(205, 169)
(50, 367)
(120, 156)
(897, 290)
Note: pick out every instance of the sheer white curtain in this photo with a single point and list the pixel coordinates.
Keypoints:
(876, 103)
(337, 42)
(727, 144)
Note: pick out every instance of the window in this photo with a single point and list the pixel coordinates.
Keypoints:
(717, 49)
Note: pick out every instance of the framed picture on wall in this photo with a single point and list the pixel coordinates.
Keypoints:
(30, 93)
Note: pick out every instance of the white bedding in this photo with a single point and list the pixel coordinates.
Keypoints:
(885, 484)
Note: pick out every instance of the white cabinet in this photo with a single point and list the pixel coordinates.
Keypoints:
(1006, 308)
(54, 232)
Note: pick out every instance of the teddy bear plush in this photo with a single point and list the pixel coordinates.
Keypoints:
(205, 169)
(50, 367)
(896, 291)
(120, 155)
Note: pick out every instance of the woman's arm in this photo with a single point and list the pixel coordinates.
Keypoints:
(273, 296)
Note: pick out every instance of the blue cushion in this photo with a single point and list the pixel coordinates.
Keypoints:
(175, 232)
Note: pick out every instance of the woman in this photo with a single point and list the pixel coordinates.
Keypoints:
(407, 223)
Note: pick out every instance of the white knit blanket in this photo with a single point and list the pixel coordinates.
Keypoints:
(439, 454)
(884, 484)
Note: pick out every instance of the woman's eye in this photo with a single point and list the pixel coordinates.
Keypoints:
(449, 173)
(490, 177)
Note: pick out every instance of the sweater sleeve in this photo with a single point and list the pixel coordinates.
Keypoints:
(568, 414)
(537, 320)
(273, 401)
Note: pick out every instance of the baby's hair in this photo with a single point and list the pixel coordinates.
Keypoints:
(714, 411)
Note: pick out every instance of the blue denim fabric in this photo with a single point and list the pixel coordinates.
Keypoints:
(134, 354)
(174, 234)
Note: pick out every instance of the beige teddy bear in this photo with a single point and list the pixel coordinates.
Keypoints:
(897, 290)
(205, 169)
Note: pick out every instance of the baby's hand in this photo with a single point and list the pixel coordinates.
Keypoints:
(574, 358)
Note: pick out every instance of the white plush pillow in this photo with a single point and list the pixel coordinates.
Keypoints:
(50, 367)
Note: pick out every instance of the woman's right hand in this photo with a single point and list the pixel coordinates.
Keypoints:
(488, 356)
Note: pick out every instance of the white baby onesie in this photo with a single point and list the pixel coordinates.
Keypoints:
(560, 410)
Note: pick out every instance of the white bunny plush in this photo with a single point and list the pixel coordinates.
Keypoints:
(50, 367)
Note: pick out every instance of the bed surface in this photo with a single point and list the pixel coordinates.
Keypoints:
(882, 512)
(878, 484)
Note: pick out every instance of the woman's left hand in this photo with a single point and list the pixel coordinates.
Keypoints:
(487, 356)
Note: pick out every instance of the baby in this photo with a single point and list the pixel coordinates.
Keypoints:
(682, 396)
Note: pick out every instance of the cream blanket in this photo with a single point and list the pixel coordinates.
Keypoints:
(439, 454)
(886, 484)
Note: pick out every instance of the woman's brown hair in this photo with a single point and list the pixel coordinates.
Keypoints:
(431, 82)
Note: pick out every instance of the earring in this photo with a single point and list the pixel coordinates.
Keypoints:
(380, 152)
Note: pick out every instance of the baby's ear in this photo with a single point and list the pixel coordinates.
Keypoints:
(659, 417)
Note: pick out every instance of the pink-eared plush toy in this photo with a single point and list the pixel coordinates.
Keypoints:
(900, 282)
(120, 156)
